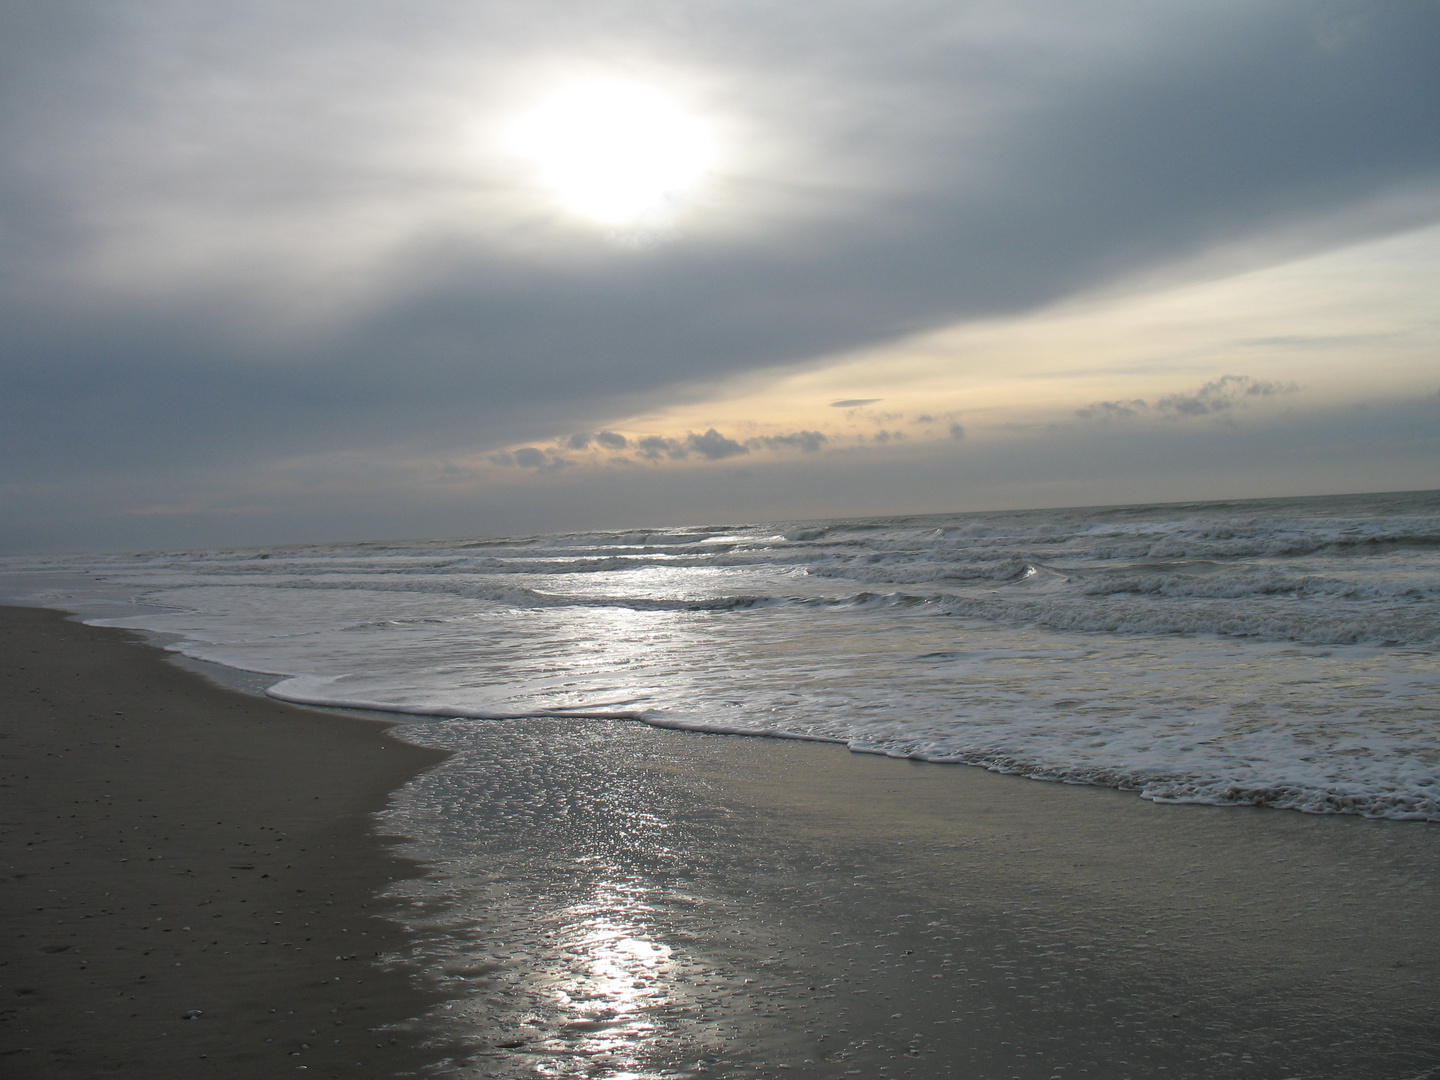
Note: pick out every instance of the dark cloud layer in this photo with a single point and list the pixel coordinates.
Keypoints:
(219, 242)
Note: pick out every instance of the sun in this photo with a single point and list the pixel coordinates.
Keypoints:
(618, 153)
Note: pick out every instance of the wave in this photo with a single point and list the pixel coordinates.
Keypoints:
(1265, 607)
(1418, 801)
(1415, 804)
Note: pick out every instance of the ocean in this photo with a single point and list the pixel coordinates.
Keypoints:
(601, 902)
(1275, 652)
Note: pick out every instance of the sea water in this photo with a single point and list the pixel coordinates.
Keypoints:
(1269, 652)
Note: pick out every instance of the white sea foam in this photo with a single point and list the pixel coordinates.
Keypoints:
(1278, 653)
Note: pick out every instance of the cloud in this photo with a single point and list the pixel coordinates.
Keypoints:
(609, 440)
(1113, 410)
(1220, 395)
(713, 445)
(239, 234)
(530, 457)
(854, 403)
(808, 441)
(655, 447)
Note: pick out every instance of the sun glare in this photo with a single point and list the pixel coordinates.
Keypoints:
(618, 153)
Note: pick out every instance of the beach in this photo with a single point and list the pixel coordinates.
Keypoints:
(171, 848)
(719, 541)
(617, 900)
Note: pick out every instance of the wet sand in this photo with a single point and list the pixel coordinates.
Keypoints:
(630, 902)
(170, 847)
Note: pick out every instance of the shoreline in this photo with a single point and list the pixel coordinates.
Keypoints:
(173, 847)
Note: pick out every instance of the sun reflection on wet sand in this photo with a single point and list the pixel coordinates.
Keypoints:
(590, 992)
(618, 979)
(588, 927)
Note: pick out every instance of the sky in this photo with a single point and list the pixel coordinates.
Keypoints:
(275, 272)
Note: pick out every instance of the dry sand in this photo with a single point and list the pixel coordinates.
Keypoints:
(169, 847)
